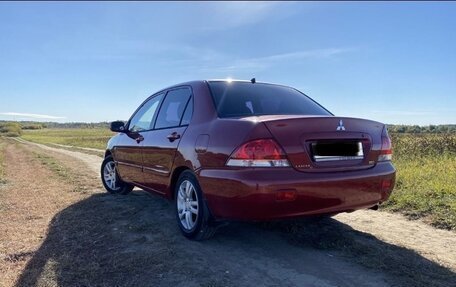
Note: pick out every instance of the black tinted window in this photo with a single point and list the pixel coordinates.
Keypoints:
(172, 108)
(187, 114)
(239, 99)
(143, 119)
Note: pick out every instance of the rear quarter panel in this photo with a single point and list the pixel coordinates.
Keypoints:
(209, 140)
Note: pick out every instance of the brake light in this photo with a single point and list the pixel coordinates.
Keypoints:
(259, 153)
(386, 152)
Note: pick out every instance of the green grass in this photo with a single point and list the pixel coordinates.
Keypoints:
(426, 178)
(10, 129)
(60, 171)
(87, 138)
(426, 169)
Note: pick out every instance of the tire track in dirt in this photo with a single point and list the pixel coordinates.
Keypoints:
(435, 244)
(364, 248)
(30, 200)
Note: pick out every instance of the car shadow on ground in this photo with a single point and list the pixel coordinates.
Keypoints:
(133, 240)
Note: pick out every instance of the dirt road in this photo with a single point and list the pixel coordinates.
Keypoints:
(85, 237)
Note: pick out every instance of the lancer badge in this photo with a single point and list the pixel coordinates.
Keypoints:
(340, 127)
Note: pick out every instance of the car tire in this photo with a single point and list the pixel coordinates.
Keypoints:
(111, 180)
(192, 214)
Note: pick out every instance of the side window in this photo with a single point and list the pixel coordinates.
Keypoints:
(143, 119)
(172, 108)
(187, 114)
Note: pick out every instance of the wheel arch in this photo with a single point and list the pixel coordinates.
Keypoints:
(107, 153)
(175, 177)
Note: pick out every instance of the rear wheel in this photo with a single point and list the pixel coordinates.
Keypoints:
(111, 179)
(193, 216)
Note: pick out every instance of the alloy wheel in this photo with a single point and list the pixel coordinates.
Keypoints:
(187, 205)
(110, 175)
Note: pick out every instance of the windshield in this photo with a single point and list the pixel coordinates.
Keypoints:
(242, 99)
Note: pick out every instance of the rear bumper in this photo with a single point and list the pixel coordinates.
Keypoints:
(265, 194)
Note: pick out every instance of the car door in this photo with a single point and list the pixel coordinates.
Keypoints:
(160, 144)
(127, 152)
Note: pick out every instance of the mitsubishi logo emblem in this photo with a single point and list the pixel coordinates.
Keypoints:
(340, 127)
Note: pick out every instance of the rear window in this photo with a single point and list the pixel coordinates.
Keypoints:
(241, 99)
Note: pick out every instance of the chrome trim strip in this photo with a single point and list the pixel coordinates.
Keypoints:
(258, 162)
(359, 155)
(333, 158)
(156, 170)
(129, 164)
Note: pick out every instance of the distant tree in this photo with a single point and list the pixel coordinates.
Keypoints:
(414, 129)
(32, 127)
(422, 129)
(442, 129)
(10, 129)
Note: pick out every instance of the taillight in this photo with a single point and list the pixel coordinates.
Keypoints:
(386, 152)
(259, 153)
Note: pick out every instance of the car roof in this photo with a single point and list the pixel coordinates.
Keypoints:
(201, 82)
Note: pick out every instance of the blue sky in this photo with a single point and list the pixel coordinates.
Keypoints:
(70, 61)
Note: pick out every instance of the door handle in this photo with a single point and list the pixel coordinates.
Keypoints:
(139, 139)
(174, 136)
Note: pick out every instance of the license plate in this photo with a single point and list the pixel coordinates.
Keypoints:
(337, 150)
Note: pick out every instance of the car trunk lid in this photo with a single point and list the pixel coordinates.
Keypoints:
(326, 143)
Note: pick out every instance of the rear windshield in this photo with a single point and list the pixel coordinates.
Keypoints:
(243, 99)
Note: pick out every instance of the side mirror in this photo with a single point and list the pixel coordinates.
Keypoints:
(118, 126)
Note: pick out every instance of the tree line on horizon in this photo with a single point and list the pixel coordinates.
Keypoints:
(31, 125)
(416, 129)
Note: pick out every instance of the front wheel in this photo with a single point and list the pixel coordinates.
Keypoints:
(111, 179)
(193, 216)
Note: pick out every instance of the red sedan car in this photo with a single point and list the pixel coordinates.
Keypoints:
(243, 150)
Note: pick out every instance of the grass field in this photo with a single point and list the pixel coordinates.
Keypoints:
(426, 170)
(426, 178)
(88, 138)
(2, 170)
(54, 236)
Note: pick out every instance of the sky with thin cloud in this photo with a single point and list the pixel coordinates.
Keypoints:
(97, 61)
